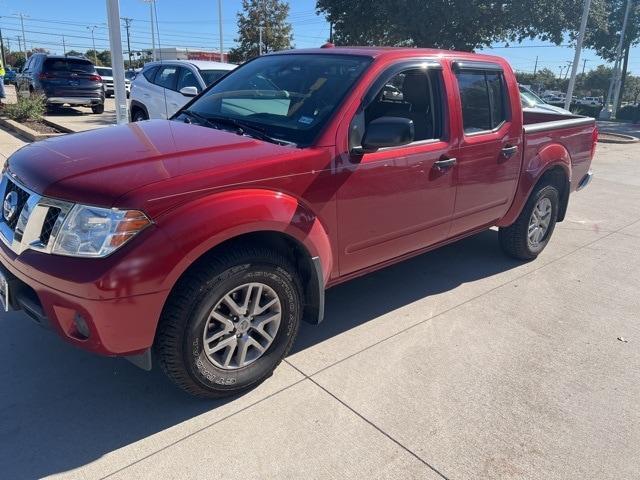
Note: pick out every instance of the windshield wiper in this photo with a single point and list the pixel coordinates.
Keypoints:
(200, 118)
(243, 129)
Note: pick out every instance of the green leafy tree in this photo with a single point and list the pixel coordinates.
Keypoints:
(597, 80)
(74, 53)
(453, 24)
(104, 57)
(271, 15)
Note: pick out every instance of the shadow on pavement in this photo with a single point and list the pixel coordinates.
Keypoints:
(62, 408)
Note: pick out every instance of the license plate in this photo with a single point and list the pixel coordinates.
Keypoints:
(4, 293)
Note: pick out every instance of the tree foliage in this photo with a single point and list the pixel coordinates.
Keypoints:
(276, 31)
(450, 24)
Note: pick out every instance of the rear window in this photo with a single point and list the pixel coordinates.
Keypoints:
(68, 65)
(210, 76)
(149, 73)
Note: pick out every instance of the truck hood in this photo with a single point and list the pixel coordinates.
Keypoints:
(99, 166)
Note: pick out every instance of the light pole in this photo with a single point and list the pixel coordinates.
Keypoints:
(220, 29)
(576, 57)
(616, 95)
(93, 39)
(260, 40)
(153, 31)
(117, 61)
(24, 39)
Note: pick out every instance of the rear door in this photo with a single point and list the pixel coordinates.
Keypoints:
(397, 200)
(488, 158)
(70, 77)
(166, 100)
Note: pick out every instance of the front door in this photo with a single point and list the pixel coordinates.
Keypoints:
(396, 200)
(489, 157)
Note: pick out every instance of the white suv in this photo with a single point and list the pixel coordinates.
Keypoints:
(162, 88)
(107, 79)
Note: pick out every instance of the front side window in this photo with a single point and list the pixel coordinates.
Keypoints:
(166, 77)
(483, 100)
(290, 96)
(412, 94)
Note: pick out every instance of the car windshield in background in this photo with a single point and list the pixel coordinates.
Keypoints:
(104, 72)
(68, 65)
(289, 97)
(210, 76)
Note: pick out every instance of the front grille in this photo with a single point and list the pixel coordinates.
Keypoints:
(22, 200)
(47, 227)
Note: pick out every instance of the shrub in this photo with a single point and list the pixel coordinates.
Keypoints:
(27, 108)
(626, 113)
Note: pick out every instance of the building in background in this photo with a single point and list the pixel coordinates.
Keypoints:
(174, 53)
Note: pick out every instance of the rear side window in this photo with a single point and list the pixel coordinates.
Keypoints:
(68, 65)
(149, 73)
(483, 100)
(167, 77)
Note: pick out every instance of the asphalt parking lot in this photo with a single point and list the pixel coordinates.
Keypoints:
(460, 363)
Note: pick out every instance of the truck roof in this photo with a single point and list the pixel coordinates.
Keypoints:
(394, 52)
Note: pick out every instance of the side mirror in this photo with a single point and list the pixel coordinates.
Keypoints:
(387, 132)
(189, 91)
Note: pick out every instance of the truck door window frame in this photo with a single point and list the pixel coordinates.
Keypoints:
(485, 69)
(437, 96)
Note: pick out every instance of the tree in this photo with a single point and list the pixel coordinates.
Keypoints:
(597, 80)
(276, 32)
(74, 53)
(603, 34)
(453, 24)
(104, 57)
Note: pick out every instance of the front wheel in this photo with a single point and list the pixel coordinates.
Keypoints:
(229, 323)
(98, 108)
(529, 235)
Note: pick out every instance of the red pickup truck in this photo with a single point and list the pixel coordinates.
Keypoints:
(205, 239)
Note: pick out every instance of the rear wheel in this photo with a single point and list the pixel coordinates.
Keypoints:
(138, 115)
(98, 108)
(229, 322)
(530, 233)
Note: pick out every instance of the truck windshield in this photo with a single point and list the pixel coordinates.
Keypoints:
(289, 97)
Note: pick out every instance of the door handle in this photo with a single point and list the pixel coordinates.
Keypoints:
(509, 151)
(444, 163)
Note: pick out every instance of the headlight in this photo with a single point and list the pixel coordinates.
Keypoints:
(97, 232)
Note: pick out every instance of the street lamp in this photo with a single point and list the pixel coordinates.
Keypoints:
(153, 32)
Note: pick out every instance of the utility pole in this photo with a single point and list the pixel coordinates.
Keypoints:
(260, 40)
(93, 38)
(64, 46)
(153, 31)
(115, 42)
(568, 67)
(584, 65)
(535, 68)
(561, 68)
(127, 25)
(20, 45)
(220, 30)
(331, 40)
(576, 58)
(618, 76)
(24, 39)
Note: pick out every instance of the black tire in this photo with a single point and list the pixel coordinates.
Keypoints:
(138, 115)
(98, 108)
(514, 239)
(178, 344)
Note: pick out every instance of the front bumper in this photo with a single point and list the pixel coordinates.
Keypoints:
(120, 326)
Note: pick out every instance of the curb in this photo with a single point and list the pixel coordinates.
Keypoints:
(27, 132)
(608, 137)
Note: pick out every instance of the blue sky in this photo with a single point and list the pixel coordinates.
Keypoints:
(194, 24)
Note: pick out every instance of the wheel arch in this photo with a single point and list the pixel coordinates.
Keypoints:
(551, 164)
(273, 219)
(139, 105)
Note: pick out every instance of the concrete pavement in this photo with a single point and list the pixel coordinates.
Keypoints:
(460, 363)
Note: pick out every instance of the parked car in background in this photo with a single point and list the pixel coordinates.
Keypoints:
(591, 101)
(107, 78)
(10, 76)
(531, 100)
(208, 238)
(164, 87)
(63, 81)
